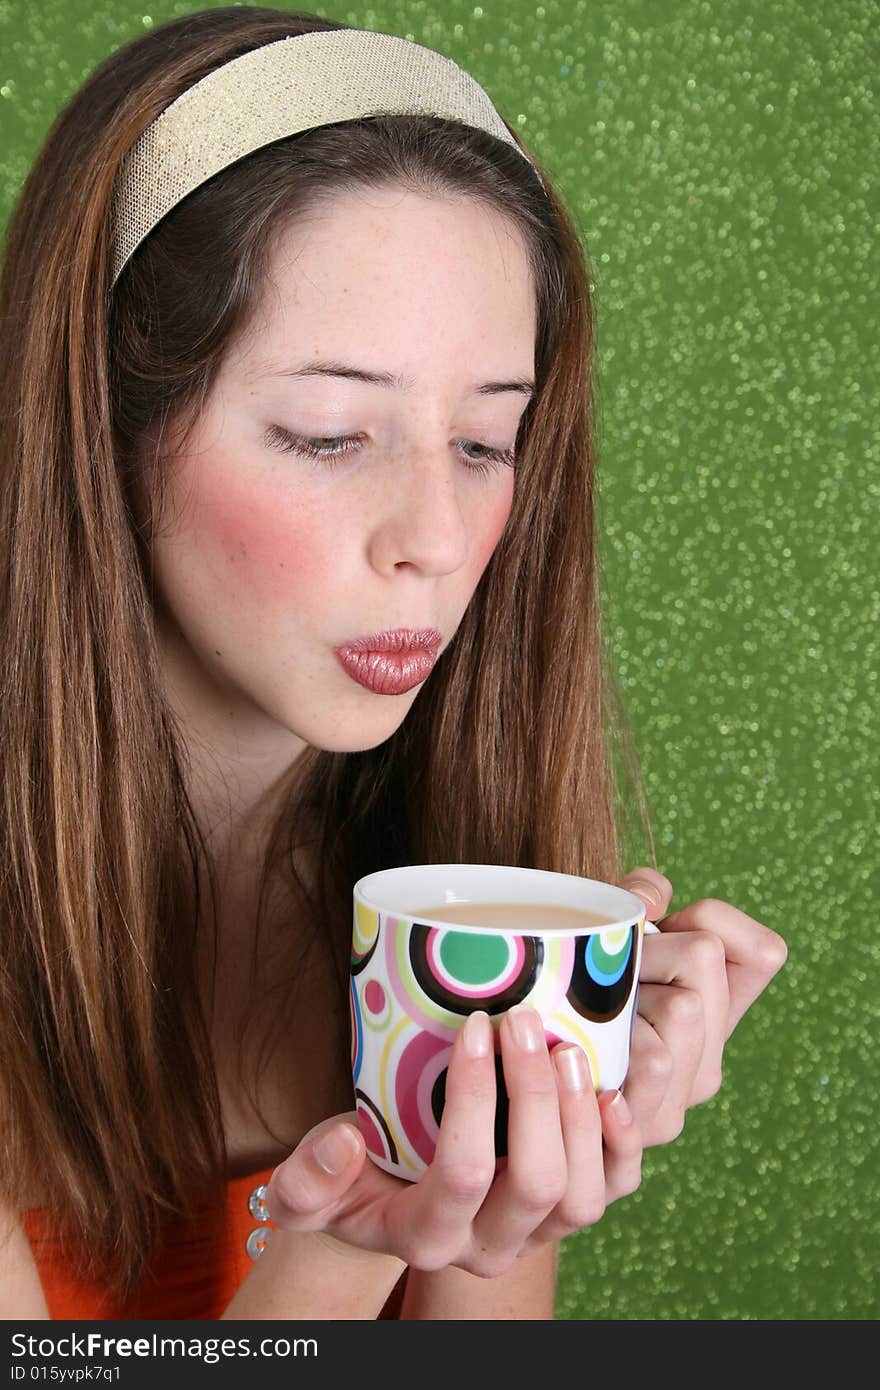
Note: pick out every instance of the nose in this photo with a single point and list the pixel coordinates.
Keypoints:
(420, 519)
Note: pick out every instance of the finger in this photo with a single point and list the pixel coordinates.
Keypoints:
(647, 1079)
(536, 1176)
(622, 1157)
(652, 887)
(623, 1145)
(442, 1205)
(305, 1190)
(754, 953)
(686, 964)
(584, 1200)
(676, 1015)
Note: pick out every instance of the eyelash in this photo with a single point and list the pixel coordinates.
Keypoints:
(300, 444)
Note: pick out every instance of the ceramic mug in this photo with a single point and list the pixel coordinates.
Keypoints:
(574, 956)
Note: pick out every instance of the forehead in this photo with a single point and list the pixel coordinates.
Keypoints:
(411, 274)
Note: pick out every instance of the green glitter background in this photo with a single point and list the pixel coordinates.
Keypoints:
(720, 160)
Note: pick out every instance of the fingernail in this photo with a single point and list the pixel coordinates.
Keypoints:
(646, 890)
(572, 1066)
(335, 1149)
(477, 1034)
(622, 1112)
(527, 1027)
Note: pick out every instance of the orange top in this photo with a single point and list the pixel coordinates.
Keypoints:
(193, 1276)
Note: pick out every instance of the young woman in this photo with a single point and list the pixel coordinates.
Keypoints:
(340, 389)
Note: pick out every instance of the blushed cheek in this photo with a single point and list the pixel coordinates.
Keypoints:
(494, 520)
(274, 550)
(281, 550)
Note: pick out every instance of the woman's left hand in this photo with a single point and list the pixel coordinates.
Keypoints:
(698, 977)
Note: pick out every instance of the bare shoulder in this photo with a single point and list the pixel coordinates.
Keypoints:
(21, 1293)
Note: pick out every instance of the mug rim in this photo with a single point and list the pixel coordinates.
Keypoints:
(362, 892)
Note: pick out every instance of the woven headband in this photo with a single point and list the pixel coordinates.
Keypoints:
(282, 88)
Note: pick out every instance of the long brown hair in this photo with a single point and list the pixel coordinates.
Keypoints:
(517, 750)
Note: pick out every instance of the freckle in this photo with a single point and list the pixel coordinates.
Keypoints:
(216, 653)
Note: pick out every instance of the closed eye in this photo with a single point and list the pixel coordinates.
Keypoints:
(329, 449)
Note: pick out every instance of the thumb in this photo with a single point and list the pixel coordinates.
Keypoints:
(654, 890)
(318, 1173)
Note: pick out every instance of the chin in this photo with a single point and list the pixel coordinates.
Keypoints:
(359, 739)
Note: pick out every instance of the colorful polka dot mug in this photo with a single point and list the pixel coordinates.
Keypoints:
(574, 957)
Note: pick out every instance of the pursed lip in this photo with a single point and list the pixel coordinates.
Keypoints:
(399, 639)
(391, 662)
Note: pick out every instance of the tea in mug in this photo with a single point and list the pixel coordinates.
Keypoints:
(525, 919)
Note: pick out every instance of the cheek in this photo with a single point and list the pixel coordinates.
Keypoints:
(275, 551)
(270, 552)
(493, 519)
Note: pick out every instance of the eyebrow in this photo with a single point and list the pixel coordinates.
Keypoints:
(399, 383)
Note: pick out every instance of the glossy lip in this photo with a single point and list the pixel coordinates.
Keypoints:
(399, 639)
(391, 662)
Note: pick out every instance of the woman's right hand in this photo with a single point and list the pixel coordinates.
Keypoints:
(569, 1153)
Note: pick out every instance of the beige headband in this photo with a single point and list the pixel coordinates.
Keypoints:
(282, 88)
